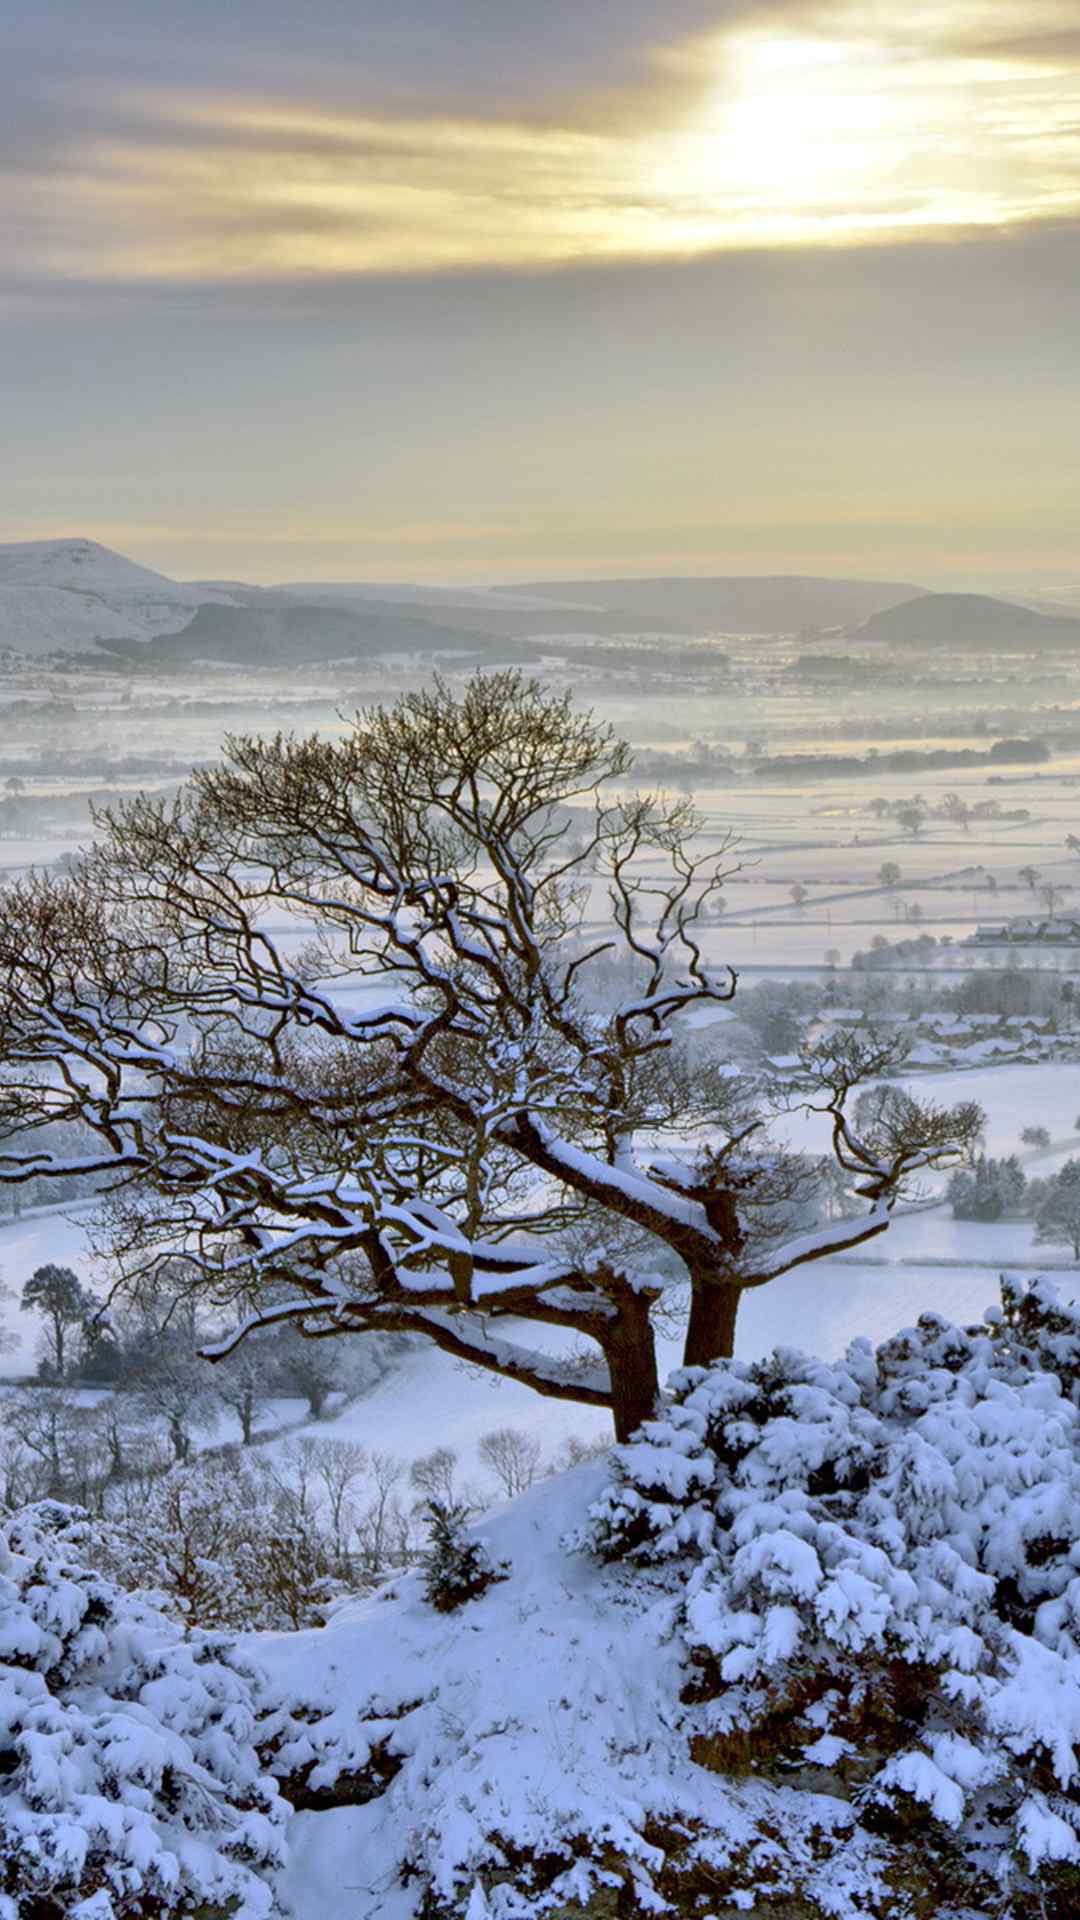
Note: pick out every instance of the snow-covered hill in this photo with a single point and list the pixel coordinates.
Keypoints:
(810, 1651)
(69, 593)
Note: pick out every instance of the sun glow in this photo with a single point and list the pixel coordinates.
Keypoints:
(795, 131)
(870, 128)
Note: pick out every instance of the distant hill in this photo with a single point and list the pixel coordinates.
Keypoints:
(280, 633)
(519, 615)
(67, 594)
(780, 603)
(76, 595)
(345, 592)
(969, 622)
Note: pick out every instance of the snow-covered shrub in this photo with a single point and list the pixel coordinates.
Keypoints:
(1043, 1330)
(456, 1567)
(130, 1784)
(879, 1564)
(223, 1542)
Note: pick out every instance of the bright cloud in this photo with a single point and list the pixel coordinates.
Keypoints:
(855, 123)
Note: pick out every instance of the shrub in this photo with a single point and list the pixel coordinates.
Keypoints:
(879, 1600)
(130, 1786)
(223, 1542)
(456, 1568)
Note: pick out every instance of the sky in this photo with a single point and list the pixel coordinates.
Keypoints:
(486, 290)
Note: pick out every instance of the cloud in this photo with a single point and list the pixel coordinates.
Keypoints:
(797, 125)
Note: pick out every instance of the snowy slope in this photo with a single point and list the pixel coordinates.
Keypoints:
(68, 593)
(815, 1664)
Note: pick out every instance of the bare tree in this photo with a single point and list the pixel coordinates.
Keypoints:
(513, 1456)
(56, 1437)
(339, 1465)
(382, 1527)
(175, 1390)
(957, 810)
(245, 1382)
(1058, 1217)
(315, 1369)
(125, 1442)
(9, 1339)
(297, 1474)
(576, 1450)
(434, 1475)
(414, 1161)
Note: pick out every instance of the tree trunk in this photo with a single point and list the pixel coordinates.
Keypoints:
(630, 1352)
(710, 1332)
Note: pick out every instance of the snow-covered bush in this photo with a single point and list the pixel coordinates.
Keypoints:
(880, 1571)
(130, 1784)
(810, 1650)
(224, 1543)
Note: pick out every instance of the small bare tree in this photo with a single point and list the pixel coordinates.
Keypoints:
(434, 1475)
(245, 1383)
(339, 1466)
(513, 1456)
(54, 1435)
(174, 1390)
(9, 1339)
(576, 1450)
(417, 1158)
(382, 1527)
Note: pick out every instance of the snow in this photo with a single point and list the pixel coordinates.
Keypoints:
(539, 1711)
(430, 1399)
(129, 1770)
(577, 1712)
(65, 594)
(551, 1705)
(926, 1260)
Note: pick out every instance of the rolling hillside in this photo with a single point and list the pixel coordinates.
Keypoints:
(69, 594)
(733, 604)
(278, 633)
(971, 622)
